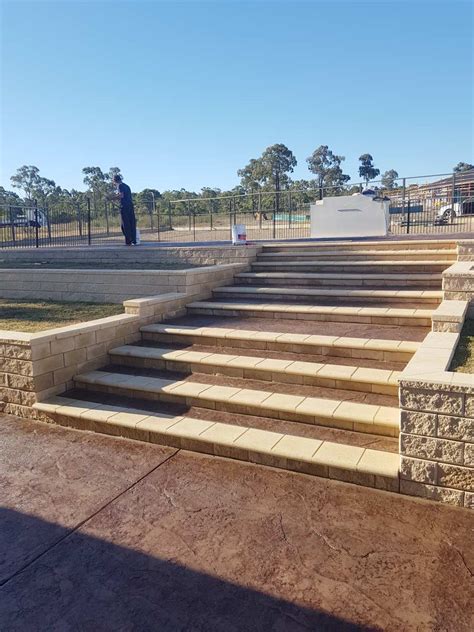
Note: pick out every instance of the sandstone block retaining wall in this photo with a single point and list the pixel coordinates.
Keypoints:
(124, 257)
(111, 286)
(37, 366)
(437, 425)
(34, 367)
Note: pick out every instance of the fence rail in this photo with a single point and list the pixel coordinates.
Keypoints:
(423, 205)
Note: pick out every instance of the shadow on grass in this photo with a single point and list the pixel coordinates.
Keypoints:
(86, 583)
(463, 360)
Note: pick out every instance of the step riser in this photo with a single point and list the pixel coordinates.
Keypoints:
(252, 374)
(412, 321)
(401, 257)
(361, 301)
(229, 451)
(342, 268)
(412, 284)
(319, 350)
(231, 407)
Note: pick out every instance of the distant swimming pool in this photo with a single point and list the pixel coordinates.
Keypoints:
(285, 217)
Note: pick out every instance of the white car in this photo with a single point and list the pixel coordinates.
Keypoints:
(31, 217)
(448, 212)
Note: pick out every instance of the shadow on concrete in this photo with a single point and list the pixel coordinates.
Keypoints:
(85, 583)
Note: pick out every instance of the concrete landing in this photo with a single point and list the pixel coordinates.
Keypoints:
(99, 533)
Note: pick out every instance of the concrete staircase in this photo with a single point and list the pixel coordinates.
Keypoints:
(295, 366)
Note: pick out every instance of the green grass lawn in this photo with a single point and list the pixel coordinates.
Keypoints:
(32, 316)
(463, 361)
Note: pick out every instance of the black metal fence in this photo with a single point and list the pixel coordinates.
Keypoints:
(427, 205)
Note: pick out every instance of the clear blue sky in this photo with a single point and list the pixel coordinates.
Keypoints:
(182, 94)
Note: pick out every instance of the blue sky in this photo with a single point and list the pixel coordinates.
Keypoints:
(182, 94)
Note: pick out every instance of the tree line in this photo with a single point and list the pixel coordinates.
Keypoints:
(269, 173)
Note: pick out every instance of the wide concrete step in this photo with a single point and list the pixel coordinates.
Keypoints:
(352, 378)
(349, 463)
(336, 413)
(310, 344)
(345, 265)
(410, 317)
(395, 245)
(374, 256)
(364, 280)
(420, 298)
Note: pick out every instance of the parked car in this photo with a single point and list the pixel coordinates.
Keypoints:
(448, 212)
(29, 217)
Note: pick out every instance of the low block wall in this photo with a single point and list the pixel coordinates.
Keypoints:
(37, 366)
(437, 425)
(34, 367)
(122, 256)
(111, 286)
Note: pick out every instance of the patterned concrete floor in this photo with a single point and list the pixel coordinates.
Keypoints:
(101, 534)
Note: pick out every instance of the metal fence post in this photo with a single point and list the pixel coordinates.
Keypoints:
(230, 218)
(158, 227)
(36, 224)
(404, 188)
(12, 224)
(188, 204)
(194, 226)
(210, 214)
(408, 215)
(274, 215)
(453, 196)
(89, 235)
(169, 215)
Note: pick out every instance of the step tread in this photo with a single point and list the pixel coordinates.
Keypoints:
(368, 262)
(318, 309)
(434, 294)
(273, 444)
(348, 410)
(345, 275)
(307, 369)
(300, 339)
(322, 252)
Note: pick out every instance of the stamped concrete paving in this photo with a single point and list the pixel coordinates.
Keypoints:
(108, 534)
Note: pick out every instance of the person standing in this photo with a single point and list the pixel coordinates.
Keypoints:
(127, 212)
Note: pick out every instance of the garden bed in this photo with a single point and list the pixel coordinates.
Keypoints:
(463, 360)
(34, 316)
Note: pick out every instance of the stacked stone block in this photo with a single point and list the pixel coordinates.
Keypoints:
(437, 441)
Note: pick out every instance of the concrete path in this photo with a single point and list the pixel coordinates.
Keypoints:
(102, 534)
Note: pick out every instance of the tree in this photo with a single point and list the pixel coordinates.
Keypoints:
(389, 178)
(367, 171)
(9, 197)
(146, 202)
(326, 166)
(251, 175)
(96, 180)
(276, 162)
(43, 188)
(26, 178)
(462, 166)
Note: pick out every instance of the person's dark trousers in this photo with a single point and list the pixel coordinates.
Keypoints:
(129, 227)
